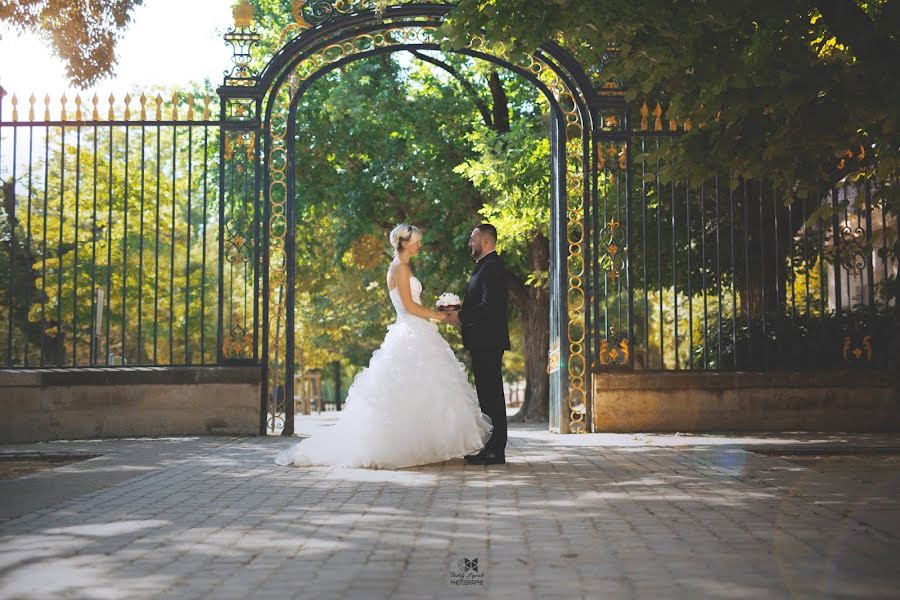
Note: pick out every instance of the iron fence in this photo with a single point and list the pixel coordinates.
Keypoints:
(133, 238)
(109, 231)
(734, 274)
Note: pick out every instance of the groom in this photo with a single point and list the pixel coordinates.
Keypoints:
(485, 334)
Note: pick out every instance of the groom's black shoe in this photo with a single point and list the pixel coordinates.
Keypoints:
(489, 458)
(477, 455)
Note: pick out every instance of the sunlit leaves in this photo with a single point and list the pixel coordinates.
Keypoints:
(83, 34)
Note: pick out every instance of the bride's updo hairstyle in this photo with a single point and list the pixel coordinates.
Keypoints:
(404, 235)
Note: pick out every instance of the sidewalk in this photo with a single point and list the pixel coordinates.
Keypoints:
(593, 516)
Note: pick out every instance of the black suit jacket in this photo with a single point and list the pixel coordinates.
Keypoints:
(483, 314)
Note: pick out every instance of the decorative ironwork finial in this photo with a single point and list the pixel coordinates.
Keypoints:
(241, 39)
(243, 14)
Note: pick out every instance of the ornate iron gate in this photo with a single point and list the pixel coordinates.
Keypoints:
(259, 114)
(110, 223)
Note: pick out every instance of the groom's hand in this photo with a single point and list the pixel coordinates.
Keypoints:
(453, 317)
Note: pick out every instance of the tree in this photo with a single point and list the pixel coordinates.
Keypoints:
(83, 34)
(511, 170)
(791, 93)
(357, 176)
(387, 140)
(782, 87)
(96, 221)
(783, 95)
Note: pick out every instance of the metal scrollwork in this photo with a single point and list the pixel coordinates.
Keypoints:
(238, 344)
(242, 38)
(612, 242)
(613, 350)
(237, 249)
(317, 11)
(276, 397)
(311, 13)
(853, 249)
(856, 353)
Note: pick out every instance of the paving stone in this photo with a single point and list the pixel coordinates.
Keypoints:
(595, 516)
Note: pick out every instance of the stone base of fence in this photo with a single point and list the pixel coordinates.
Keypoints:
(53, 404)
(856, 401)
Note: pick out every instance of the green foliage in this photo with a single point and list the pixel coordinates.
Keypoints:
(377, 144)
(774, 90)
(799, 343)
(512, 170)
(109, 216)
(397, 139)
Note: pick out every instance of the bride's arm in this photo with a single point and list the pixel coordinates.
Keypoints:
(402, 277)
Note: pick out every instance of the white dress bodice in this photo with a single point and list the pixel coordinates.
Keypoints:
(415, 287)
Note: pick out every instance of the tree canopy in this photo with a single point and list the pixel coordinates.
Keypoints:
(428, 159)
(83, 34)
(787, 91)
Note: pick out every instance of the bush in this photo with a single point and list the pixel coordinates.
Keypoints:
(859, 338)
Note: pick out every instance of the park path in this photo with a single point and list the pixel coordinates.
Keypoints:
(593, 516)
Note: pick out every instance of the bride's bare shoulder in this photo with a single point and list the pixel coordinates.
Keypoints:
(396, 270)
(399, 268)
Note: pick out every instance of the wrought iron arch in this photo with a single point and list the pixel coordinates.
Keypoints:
(259, 113)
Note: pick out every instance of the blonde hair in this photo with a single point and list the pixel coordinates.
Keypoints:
(403, 235)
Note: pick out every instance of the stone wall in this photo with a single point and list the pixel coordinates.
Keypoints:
(697, 402)
(52, 404)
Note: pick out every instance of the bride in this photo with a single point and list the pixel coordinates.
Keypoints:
(413, 405)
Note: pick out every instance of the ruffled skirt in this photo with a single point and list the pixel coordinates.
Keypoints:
(413, 405)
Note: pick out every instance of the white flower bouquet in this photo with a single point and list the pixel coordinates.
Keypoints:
(447, 302)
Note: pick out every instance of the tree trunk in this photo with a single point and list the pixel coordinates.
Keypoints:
(53, 347)
(500, 103)
(768, 249)
(533, 304)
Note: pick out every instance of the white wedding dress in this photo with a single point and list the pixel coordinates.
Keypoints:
(413, 405)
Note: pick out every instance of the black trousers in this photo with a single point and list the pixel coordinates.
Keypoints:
(486, 366)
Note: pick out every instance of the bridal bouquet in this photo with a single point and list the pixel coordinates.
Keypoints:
(448, 301)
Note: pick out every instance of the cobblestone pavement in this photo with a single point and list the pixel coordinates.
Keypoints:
(595, 516)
